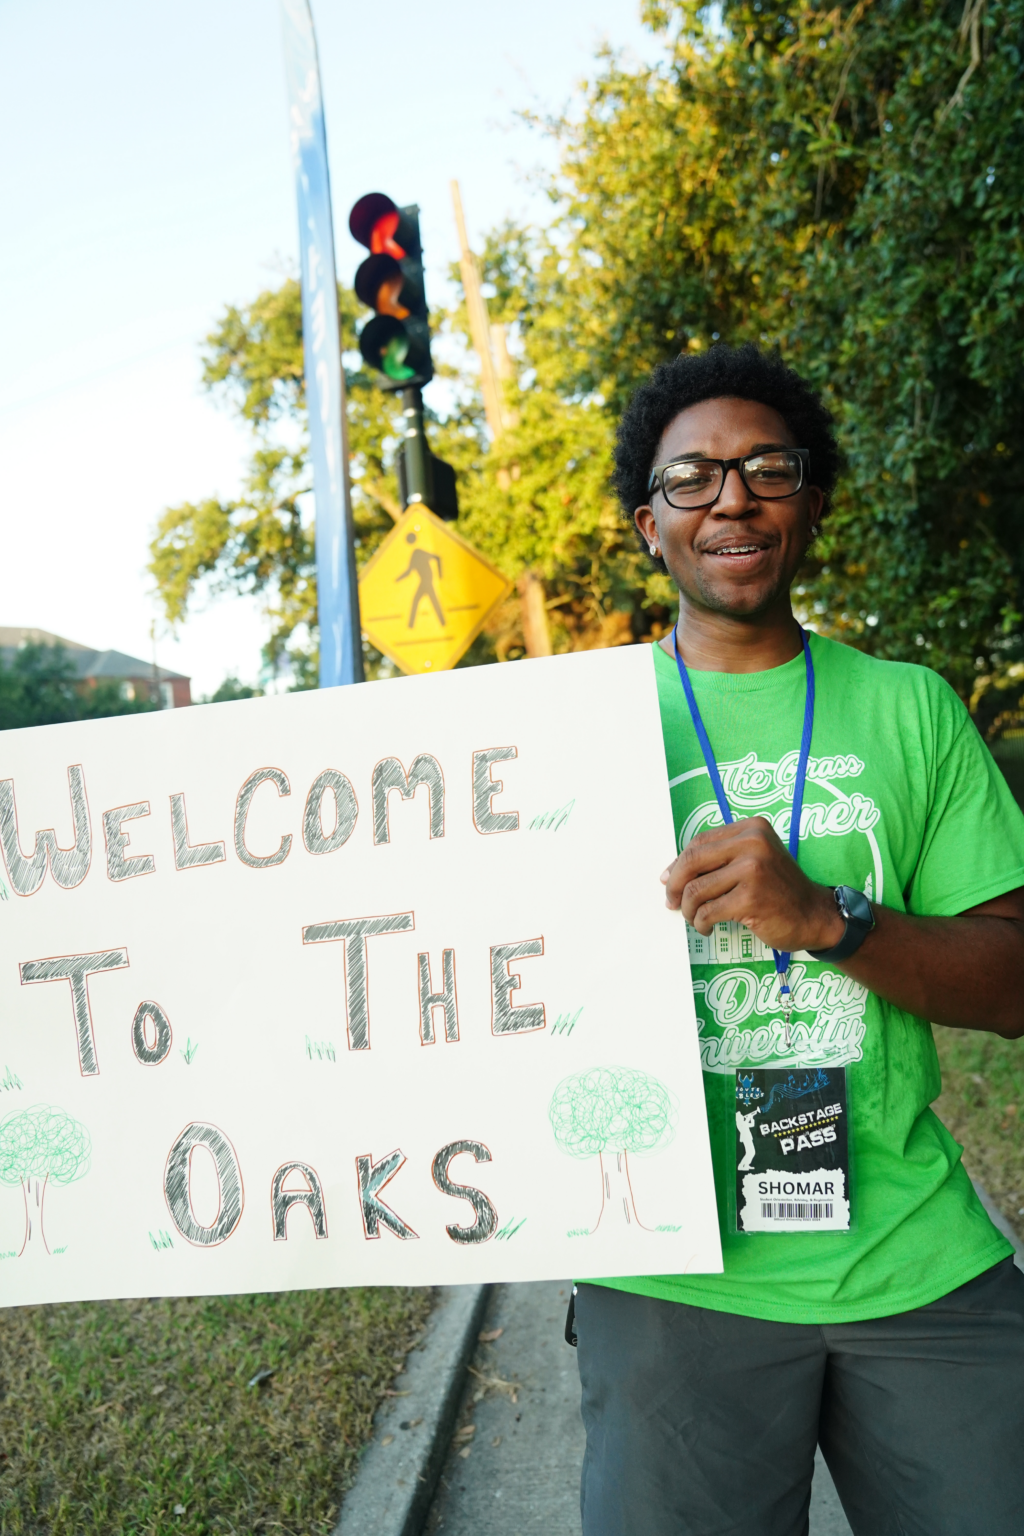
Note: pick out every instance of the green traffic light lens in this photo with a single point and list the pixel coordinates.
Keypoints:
(392, 359)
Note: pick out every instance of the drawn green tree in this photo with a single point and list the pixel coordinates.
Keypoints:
(38, 1147)
(608, 1112)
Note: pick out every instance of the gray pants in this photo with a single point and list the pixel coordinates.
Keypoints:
(703, 1423)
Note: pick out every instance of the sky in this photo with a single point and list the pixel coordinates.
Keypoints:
(145, 184)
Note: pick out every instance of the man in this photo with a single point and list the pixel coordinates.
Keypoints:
(867, 1302)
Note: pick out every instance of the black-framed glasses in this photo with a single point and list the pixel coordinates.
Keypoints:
(689, 484)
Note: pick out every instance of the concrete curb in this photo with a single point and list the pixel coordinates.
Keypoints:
(395, 1484)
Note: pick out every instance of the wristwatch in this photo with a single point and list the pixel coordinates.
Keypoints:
(855, 910)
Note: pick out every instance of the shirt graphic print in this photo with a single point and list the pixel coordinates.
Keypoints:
(735, 984)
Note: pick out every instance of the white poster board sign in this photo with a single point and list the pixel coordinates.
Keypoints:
(375, 985)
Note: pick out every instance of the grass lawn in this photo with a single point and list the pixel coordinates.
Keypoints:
(136, 1416)
(982, 1103)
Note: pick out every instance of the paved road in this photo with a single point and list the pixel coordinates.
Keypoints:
(514, 1466)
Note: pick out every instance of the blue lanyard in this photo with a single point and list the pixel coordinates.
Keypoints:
(781, 959)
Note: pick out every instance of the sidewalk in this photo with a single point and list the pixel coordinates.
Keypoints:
(514, 1465)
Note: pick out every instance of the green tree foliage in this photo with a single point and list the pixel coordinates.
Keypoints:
(39, 687)
(259, 541)
(231, 689)
(542, 502)
(841, 182)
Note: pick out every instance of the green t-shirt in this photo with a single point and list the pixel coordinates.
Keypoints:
(904, 802)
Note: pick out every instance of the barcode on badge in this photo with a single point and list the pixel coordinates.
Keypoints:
(796, 1210)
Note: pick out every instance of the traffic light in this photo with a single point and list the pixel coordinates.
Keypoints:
(396, 342)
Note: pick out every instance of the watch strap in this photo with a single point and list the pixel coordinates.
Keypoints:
(855, 909)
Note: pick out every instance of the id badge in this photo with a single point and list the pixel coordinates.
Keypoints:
(792, 1151)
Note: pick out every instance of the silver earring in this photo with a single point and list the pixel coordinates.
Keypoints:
(655, 551)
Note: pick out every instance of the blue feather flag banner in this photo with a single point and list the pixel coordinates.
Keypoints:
(341, 657)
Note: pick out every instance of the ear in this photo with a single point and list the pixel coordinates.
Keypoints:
(645, 522)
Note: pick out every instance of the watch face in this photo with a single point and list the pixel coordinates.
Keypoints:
(854, 906)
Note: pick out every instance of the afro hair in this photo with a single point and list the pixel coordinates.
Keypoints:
(743, 373)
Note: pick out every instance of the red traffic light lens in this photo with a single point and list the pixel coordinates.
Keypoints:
(373, 222)
(382, 241)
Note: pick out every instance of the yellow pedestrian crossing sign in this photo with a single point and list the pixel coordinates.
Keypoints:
(425, 595)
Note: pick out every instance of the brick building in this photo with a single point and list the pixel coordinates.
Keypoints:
(137, 679)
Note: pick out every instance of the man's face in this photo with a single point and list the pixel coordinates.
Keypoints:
(741, 554)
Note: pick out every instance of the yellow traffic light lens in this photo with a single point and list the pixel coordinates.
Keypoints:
(388, 298)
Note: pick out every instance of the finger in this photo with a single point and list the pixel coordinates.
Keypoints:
(709, 887)
(711, 849)
(716, 848)
(750, 826)
(692, 865)
(682, 872)
(720, 909)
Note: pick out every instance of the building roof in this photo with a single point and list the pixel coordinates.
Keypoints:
(114, 666)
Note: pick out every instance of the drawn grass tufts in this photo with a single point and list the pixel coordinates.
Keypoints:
(551, 821)
(320, 1050)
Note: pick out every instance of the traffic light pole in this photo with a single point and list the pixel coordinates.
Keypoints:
(418, 486)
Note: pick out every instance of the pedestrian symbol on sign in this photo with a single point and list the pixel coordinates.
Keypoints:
(420, 565)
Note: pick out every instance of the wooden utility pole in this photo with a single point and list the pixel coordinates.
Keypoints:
(479, 325)
(496, 369)
(533, 612)
(505, 371)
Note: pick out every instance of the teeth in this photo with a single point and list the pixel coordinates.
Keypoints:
(739, 549)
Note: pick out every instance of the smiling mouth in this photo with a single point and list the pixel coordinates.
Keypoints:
(737, 551)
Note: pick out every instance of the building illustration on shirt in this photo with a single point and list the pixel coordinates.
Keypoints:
(727, 944)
